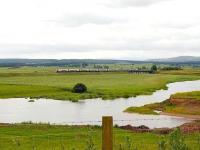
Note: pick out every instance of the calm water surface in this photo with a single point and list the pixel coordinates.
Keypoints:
(90, 111)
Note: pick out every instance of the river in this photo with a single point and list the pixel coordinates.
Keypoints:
(17, 110)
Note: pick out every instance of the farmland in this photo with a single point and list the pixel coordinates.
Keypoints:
(44, 82)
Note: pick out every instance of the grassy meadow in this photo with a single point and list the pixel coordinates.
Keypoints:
(44, 82)
(184, 71)
(52, 137)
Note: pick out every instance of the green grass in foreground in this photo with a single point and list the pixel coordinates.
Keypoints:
(43, 82)
(181, 103)
(47, 137)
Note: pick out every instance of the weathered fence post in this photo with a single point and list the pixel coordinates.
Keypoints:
(107, 133)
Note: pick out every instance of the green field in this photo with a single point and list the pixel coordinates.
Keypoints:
(48, 137)
(185, 71)
(44, 82)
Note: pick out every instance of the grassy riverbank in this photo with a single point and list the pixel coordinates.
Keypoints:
(181, 103)
(43, 82)
(195, 95)
(46, 137)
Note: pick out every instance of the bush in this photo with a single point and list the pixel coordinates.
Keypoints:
(154, 68)
(177, 141)
(80, 88)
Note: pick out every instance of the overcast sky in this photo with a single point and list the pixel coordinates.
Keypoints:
(105, 29)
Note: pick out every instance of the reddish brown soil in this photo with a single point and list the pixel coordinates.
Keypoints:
(186, 128)
(191, 127)
(185, 102)
(182, 107)
(136, 129)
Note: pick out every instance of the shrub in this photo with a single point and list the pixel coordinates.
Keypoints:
(80, 88)
(90, 144)
(162, 144)
(177, 141)
(154, 68)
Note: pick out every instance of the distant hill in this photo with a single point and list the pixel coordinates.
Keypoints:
(64, 62)
(180, 59)
(56, 62)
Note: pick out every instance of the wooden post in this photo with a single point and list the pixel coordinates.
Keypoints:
(107, 133)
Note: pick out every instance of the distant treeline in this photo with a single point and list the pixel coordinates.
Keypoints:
(78, 62)
(62, 62)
